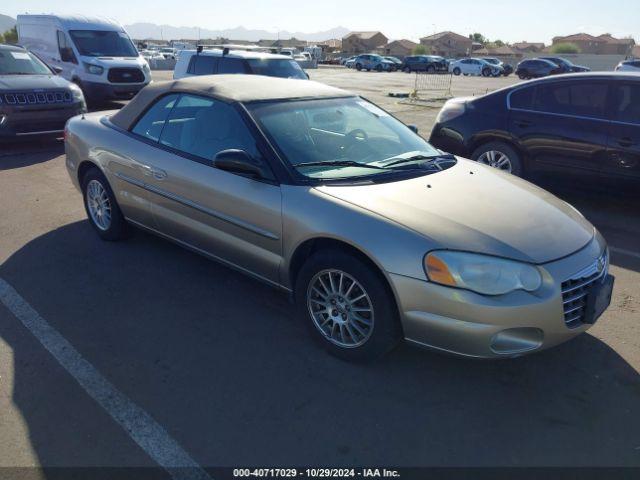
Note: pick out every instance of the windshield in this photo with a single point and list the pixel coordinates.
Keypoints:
(21, 63)
(98, 43)
(276, 68)
(346, 130)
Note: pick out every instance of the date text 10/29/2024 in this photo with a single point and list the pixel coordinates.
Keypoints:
(315, 473)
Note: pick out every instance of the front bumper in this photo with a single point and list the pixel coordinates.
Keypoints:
(111, 91)
(22, 122)
(472, 325)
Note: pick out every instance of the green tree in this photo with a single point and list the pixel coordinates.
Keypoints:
(1, 38)
(420, 50)
(11, 36)
(498, 43)
(565, 47)
(478, 38)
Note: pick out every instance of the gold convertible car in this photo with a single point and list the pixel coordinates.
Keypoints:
(377, 235)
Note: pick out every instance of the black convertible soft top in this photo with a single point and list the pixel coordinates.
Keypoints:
(231, 88)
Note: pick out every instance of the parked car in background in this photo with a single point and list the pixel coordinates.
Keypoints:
(343, 61)
(371, 61)
(220, 61)
(536, 68)
(580, 123)
(566, 66)
(168, 53)
(95, 53)
(151, 55)
(33, 99)
(322, 194)
(475, 66)
(506, 68)
(396, 61)
(351, 62)
(628, 66)
(424, 63)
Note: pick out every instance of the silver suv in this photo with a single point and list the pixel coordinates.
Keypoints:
(371, 61)
(218, 61)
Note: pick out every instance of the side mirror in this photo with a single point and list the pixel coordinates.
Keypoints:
(57, 70)
(413, 128)
(240, 162)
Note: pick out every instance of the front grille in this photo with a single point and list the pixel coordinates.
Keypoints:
(36, 98)
(125, 75)
(576, 290)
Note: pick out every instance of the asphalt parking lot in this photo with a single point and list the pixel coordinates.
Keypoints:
(219, 363)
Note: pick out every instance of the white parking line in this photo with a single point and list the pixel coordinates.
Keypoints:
(138, 424)
(622, 251)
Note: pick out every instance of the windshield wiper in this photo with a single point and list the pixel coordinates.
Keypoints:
(417, 158)
(339, 163)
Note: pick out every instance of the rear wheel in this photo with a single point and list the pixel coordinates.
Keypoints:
(406, 70)
(102, 209)
(431, 69)
(522, 76)
(378, 68)
(486, 72)
(347, 307)
(500, 156)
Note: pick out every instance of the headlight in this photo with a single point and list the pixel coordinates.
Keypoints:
(76, 92)
(94, 69)
(451, 110)
(481, 273)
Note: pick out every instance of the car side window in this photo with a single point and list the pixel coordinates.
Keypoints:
(522, 98)
(150, 125)
(204, 127)
(626, 107)
(203, 65)
(584, 99)
(232, 65)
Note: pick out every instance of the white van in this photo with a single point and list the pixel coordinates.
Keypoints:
(95, 53)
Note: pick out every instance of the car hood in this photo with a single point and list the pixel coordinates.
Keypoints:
(31, 82)
(475, 208)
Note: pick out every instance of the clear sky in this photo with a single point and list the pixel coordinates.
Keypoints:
(508, 20)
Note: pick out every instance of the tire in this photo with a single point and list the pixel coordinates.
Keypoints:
(486, 72)
(431, 69)
(378, 68)
(483, 155)
(406, 70)
(116, 228)
(358, 67)
(370, 340)
(522, 76)
(457, 71)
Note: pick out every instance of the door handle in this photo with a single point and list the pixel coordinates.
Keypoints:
(154, 172)
(158, 174)
(625, 142)
(523, 123)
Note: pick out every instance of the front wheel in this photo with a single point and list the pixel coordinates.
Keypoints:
(347, 306)
(102, 209)
(431, 69)
(406, 70)
(457, 71)
(500, 156)
(486, 72)
(378, 68)
(358, 67)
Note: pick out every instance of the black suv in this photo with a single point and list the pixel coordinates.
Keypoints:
(566, 65)
(582, 122)
(424, 63)
(33, 100)
(536, 68)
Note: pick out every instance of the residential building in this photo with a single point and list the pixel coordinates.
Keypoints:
(601, 45)
(447, 44)
(363, 42)
(528, 47)
(400, 48)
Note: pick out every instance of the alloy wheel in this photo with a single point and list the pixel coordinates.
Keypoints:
(496, 159)
(340, 308)
(99, 205)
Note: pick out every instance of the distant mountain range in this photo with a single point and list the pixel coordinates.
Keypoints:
(6, 23)
(169, 32)
(141, 31)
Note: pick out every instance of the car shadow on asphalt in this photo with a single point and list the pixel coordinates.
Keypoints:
(26, 153)
(221, 363)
